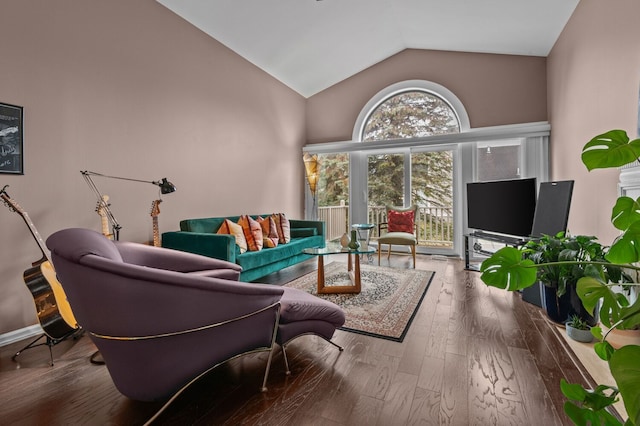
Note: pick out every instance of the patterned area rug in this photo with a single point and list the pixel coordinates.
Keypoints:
(388, 301)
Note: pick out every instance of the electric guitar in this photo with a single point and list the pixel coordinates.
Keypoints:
(102, 212)
(155, 211)
(53, 310)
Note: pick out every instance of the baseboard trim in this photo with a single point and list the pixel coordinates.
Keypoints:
(20, 334)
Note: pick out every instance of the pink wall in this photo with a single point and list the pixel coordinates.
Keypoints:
(593, 73)
(495, 89)
(127, 88)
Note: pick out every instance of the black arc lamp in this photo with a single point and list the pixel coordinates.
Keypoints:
(166, 187)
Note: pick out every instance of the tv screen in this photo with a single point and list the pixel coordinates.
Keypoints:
(502, 206)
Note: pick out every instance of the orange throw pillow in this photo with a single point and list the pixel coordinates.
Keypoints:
(400, 221)
(269, 231)
(234, 229)
(283, 227)
(252, 232)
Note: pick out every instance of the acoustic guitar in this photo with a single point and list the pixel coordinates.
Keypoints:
(155, 211)
(53, 310)
(102, 212)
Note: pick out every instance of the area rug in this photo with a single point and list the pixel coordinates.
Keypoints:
(387, 303)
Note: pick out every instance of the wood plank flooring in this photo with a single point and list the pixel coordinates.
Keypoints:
(474, 355)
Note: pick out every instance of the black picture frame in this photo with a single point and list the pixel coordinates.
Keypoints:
(11, 139)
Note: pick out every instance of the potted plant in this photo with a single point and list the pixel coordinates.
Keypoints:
(508, 268)
(619, 317)
(578, 329)
(559, 295)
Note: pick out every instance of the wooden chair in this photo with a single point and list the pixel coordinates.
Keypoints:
(399, 221)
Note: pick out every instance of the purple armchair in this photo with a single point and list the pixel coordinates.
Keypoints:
(163, 318)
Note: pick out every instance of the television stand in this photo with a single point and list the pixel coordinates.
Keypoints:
(478, 249)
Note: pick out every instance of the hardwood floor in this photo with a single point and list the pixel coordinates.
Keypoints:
(474, 355)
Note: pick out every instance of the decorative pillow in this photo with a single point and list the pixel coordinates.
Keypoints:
(234, 229)
(400, 221)
(283, 227)
(269, 231)
(252, 232)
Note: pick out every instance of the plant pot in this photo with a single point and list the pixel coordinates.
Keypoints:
(578, 335)
(619, 338)
(560, 309)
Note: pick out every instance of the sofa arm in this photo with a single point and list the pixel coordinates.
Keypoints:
(219, 246)
(318, 225)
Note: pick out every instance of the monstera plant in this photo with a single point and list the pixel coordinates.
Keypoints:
(509, 269)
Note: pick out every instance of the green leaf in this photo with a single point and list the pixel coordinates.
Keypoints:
(579, 416)
(604, 350)
(610, 149)
(626, 248)
(590, 406)
(590, 290)
(630, 315)
(572, 391)
(507, 269)
(597, 332)
(625, 213)
(625, 369)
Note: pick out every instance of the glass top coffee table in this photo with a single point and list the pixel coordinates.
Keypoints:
(353, 267)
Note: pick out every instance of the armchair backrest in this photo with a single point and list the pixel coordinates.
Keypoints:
(142, 318)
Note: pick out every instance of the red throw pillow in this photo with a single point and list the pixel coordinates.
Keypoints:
(400, 221)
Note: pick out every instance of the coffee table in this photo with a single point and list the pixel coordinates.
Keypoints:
(353, 267)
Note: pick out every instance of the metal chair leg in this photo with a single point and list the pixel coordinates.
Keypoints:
(286, 361)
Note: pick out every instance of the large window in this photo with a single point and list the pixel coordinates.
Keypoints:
(412, 144)
(409, 176)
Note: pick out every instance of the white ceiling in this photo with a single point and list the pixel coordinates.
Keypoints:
(311, 45)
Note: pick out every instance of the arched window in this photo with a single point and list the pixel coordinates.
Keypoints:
(411, 109)
(411, 114)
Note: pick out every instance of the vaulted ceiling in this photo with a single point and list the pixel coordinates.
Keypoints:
(311, 45)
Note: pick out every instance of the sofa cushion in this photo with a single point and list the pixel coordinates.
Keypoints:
(269, 231)
(254, 259)
(298, 305)
(283, 227)
(234, 229)
(252, 232)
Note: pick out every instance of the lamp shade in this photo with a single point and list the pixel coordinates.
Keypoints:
(311, 167)
(166, 187)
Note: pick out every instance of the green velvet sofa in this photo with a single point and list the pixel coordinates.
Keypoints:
(199, 236)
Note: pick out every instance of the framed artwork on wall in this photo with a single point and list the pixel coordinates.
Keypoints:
(11, 139)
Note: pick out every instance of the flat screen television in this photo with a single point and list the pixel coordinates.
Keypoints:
(502, 206)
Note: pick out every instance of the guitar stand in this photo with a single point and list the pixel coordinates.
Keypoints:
(50, 342)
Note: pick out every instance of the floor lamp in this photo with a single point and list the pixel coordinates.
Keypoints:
(166, 187)
(312, 171)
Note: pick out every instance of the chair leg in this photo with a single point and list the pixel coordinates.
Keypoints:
(379, 250)
(389, 252)
(286, 361)
(413, 252)
(266, 371)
